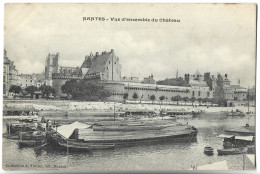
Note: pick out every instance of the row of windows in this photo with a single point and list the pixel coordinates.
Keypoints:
(156, 89)
(193, 93)
(109, 62)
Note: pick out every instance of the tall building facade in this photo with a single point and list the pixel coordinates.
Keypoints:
(6, 73)
(10, 75)
(199, 86)
(104, 66)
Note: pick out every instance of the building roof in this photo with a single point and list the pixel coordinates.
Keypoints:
(7, 60)
(144, 85)
(198, 83)
(237, 87)
(99, 62)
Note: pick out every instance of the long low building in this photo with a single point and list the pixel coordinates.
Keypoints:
(143, 92)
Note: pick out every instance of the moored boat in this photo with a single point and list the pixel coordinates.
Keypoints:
(31, 138)
(208, 150)
(13, 128)
(105, 137)
(237, 113)
(138, 113)
(232, 151)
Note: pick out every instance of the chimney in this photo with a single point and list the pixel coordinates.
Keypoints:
(112, 50)
(97, 54)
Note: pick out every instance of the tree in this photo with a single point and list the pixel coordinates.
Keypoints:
(185, 99)
(210, 100)
(125, 97)
(176, 98)
(85, 90)
(199, 100)
(15, 89)
(69, 87)
(135, 96)
(31, 90)
(103, 94)
(90, 91)
(205, 100)
(152, 97)
(192, 99)
(162, 98)
(47, 90)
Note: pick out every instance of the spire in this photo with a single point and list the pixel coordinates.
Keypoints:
(177, 73)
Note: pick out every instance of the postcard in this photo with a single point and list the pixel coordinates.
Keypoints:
(129, 87)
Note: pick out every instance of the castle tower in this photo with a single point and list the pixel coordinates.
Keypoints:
(187, 78)
(51, 66)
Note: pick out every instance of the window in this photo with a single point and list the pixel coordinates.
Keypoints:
(193, 93)
(108, 62)
(199, 93)
(207, 94)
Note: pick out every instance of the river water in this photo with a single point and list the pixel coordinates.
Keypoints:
(144, 157)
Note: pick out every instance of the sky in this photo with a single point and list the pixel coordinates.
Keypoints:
(209, 37)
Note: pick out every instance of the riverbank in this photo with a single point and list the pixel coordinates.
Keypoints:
(65, 105)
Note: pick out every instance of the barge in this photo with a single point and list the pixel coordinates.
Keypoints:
(90, 137)
(31, 138)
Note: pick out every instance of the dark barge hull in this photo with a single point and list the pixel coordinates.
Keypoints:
(82, 145)
(30, 143)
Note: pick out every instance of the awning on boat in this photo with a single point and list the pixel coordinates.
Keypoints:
(221, 165)
(251, 157)
(246, 138)
(225, 136)
(67, 130)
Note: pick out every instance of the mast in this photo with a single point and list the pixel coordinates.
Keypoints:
(248, 99)
(243, 161)
(112, 66)
(114, 108)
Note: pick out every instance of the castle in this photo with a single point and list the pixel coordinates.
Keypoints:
(105, 68)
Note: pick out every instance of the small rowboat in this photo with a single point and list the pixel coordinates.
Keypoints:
(208, 150)
(232, 151)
